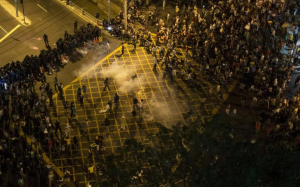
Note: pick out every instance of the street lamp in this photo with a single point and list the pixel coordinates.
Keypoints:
(108, 11)
(16, 5)
(21, 1)
(125, 14)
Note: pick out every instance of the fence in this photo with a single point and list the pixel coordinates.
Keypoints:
(88, 16)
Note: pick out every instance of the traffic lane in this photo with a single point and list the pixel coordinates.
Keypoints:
(7, 22)
(28, 40)
(32, 9)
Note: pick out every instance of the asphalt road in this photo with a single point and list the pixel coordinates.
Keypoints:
(28, 40)
(6, 23)
(54, 21)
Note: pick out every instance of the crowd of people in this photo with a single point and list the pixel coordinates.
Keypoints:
(225, 39)
(24, 107)
(221, 40)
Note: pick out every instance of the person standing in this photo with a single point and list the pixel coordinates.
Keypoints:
(116, 101)
(123, 123)
(253, 103)
(110, 108)
(164, 61)
(257, 126)
(134, 45)
(67, 130)
(55, 83)
(108, 46)
(75, 25)
(107, 124)
(57, 127)
(84, 90)
(46, 40)
(85, 126)
(135, 103)
(78, 93)
(66, 106)
(97, 142)
(81, 99)
(60, 89)
(243, 100)
(133, 120)
(228, 110)
(51, 98)
(122, 50)
(141, 106)
(106, 85)
(202, 103)
(116, 98)
(154, 65)
(73, 111)
(75, 143)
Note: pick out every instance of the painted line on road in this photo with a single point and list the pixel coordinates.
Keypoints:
(45, 157)
(12, 11)
(41, 7)
(10, 32)
(3, 29)
(226, 95)
(89, 70)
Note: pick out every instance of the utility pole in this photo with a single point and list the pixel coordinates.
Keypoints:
(109, 11)
(21, 1)
(16, 5)
(125, 14)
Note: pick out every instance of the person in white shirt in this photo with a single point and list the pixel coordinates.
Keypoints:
(141, 105)
(108, 47)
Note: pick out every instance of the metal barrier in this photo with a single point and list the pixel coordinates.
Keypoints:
(84, 13)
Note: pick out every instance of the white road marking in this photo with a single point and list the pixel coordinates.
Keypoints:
(10, 32)
(41, 7)
(3, 29)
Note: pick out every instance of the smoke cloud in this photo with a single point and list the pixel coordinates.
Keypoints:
(124, 77)
(165, 103)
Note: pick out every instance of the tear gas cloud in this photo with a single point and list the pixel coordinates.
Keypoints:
(123, 77)
(160, 108)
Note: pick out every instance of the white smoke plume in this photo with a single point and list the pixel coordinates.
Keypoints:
(123, 76)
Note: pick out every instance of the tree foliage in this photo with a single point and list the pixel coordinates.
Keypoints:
(202, 155)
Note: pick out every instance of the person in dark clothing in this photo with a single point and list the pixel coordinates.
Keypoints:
(116, 98)
(133, 120)
(75, 25)
(55, 81)
(60, 89)
(51, 98)
(134, 46)
(78, 93)
(107, 123)
(135, 102)
(81, 99)
(57, 127)
(46, 40)
(66, 106)
(97, 142)
(75, 143)
(123, 49)
(106, 85)
(110, 107)
(66, 35)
